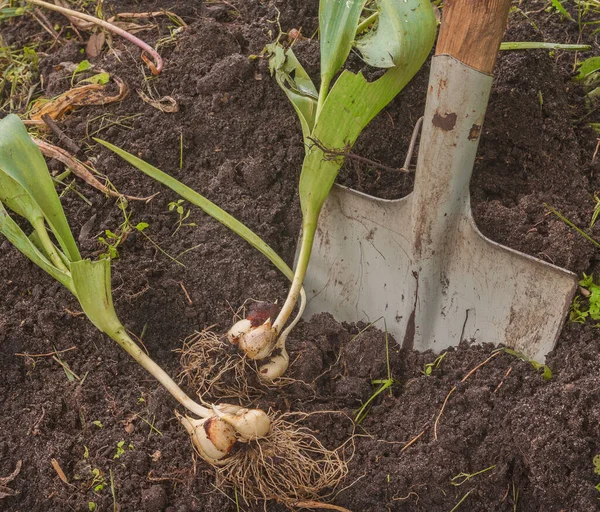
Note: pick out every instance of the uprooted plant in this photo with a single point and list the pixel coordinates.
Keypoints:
(27, 189)
(395, 36)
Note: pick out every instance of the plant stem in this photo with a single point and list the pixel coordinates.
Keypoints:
(323, 91)
(40, 229)
(366, 22)
(127, 344)
(308, 235)
(158, 62)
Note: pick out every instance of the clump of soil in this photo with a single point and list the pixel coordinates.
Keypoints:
(532, 440)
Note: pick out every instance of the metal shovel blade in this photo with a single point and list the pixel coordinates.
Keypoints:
(420, 262)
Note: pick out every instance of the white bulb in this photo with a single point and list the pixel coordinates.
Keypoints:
(258, 343)
(238, 330)
(212, 437)
(249, 424)
(275, 368)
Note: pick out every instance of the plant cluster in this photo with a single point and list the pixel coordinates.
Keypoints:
(265, 454)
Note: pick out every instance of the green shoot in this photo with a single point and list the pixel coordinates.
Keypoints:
(384, 384)
(558, 7)
(455, 508)
(463, 478)
(429, 367)
(177, 206)
(545, 370)
(571, 225)
(532, 45)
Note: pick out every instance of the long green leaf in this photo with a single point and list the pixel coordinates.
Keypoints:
(208, 206)
(21, 159)
(338, 20)
(296, 84)
(16, 236)
(353, 102)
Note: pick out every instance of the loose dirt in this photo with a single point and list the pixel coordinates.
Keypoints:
(532, 440)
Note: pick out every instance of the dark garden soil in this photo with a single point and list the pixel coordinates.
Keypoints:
(242, 149)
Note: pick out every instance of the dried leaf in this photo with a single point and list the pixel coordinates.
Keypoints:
(79, 169)
(4, 481)
(95, 44)
(90, 94)
(164, 104)
(59, 471)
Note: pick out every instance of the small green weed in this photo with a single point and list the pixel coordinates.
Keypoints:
(177, 206)
(19, 79)
(121, 449)
(98, 482)
(557, 6)
(589, 307)
(463, 478)
(383, 384)
(429, 367)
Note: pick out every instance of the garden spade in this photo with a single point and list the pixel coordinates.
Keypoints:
(420, 262)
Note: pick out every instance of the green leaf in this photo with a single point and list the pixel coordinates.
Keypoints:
(338, 20)
(207, 206)
(15, 235)
(296, 84)
(100, 79)
(21, 159)
(587, 67)
(559, 7)
(91, 281)
(84, 65)
(353, 102)
(140, 226)
(382, 46)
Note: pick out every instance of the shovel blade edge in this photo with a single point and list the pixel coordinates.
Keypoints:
(363, 267)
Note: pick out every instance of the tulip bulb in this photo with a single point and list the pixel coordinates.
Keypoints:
(258, 343)
(275, 368)
(238, 330)
(212, 437)
(249, 424)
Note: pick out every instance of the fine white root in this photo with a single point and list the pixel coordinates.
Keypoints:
(287, 465)
(216, 369)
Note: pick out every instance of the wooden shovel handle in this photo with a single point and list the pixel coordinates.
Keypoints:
(472, 31)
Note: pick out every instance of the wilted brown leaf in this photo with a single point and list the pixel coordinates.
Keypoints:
(95, 44)
(90, 94)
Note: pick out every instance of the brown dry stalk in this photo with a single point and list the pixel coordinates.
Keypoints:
(80, 96)
(414, 439)
(318, 504)
(80, 170)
